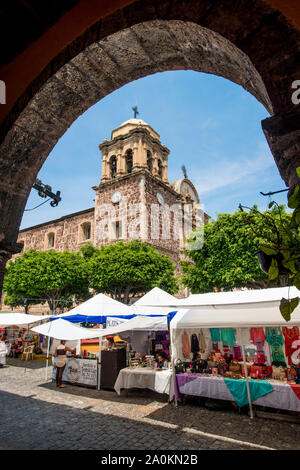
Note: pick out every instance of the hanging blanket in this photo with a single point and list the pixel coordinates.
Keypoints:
(238, 389)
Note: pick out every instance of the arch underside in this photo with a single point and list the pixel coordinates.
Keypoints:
(250, 52)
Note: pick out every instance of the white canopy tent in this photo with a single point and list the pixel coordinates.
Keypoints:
(152, 303)
(20, 319)
(64, 330)
(247, 298)
(99, 305)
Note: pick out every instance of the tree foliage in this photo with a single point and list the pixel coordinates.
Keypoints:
(227, 259)
(124, 269)
(55, 277)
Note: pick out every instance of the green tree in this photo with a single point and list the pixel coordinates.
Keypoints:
(124, 269)
(227, 259)
(55, 277)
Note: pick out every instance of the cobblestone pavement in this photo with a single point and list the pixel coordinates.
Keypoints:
(34, 414)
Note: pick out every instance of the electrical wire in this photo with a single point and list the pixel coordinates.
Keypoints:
(38, 205)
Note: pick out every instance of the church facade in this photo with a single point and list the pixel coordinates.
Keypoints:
(133, 200)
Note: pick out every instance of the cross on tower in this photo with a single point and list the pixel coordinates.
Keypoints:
(135, 110)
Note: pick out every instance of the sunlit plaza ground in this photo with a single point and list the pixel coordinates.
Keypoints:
(34, 414)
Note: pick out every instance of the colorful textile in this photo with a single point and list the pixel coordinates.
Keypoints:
(273, 331)
(237, 353)
(276, 342)
(228, 336)
(257, 333)
(194, 344)
(238, 389)
(290, 335)
(186, 347)
(215, 334)
(202, 342)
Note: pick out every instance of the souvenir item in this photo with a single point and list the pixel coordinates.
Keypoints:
(235, 367)
(278, 373)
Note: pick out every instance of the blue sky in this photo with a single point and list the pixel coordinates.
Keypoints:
(210, 124)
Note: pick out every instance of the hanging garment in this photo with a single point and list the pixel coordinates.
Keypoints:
(202, 342)
(194, 344)
(273, 331)
(259, 356)
(237, 353)
(276, 342)
(215, 334)
(228, 336)
(186, 347)
(290, 335)
(257, 333)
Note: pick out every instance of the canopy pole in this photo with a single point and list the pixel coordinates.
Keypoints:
(246, 375)
(99, 363)
(48, 349)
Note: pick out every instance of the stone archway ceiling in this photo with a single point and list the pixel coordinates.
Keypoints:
(107, 65)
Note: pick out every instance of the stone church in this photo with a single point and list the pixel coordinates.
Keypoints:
(134, 199)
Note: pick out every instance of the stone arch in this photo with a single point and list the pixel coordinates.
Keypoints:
(174, 41)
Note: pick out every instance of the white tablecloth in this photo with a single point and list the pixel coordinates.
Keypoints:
(282, 396)
(140, 377)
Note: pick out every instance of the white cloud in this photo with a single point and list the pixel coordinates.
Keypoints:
(227, 172)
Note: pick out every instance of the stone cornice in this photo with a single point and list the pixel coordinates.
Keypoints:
(106, 144)
(134, 174)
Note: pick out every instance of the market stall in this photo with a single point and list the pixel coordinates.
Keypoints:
(241, 351)
(78, 369)
(150, 337)
(15, 333)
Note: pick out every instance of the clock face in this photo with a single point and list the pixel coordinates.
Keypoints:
(160, 198)
(116, 197)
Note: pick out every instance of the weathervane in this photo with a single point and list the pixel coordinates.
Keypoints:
(135, 110)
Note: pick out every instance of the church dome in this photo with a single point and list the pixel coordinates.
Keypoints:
(131, 124)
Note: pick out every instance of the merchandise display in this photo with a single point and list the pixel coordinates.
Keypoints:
(222, 359)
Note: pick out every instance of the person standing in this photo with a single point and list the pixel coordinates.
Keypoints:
(61, 355)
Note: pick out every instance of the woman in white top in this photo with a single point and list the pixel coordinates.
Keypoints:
(60, 354)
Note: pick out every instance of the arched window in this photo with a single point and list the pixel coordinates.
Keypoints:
(149, 161)
(113, 166)
(51, 240)
(160, 168)
(86, 231)
(129, 161)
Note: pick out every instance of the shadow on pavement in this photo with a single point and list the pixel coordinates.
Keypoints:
(134, 396)
(32, 364)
